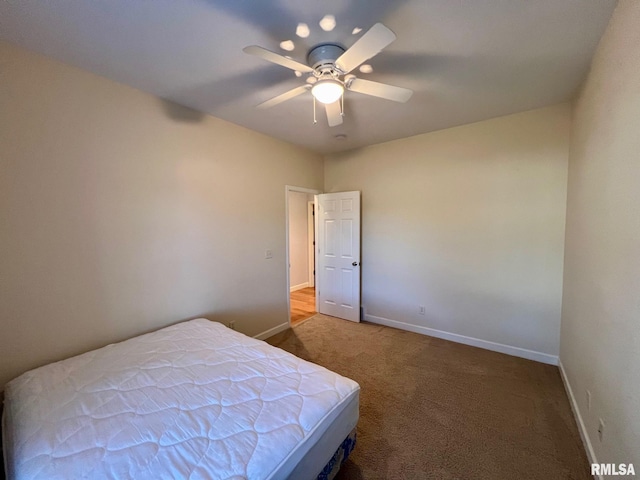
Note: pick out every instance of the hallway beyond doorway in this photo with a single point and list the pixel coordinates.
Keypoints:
(303, 305)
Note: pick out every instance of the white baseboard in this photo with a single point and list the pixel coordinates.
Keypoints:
(588, 446)
(299, 287)
(474, 342)
(272, 331)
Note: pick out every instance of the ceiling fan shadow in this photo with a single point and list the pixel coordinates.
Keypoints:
(266, 16)
(414, 63)
(223, 92)
(365, 13)
(499, 76)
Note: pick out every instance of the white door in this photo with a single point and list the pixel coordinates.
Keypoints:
(338, 254)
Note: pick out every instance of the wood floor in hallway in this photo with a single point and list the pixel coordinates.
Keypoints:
(303, 305)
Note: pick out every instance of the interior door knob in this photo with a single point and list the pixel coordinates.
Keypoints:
(355, 264)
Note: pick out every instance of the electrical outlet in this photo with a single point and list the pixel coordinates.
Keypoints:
(268, 254)
(600, 429)
(421, 309)
(232, 325)
(588, 400)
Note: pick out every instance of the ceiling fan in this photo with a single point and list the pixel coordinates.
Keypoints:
(329, 66)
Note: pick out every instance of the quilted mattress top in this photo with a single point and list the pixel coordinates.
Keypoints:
(194, 400)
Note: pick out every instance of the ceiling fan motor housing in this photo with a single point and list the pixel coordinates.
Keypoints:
(322, 57)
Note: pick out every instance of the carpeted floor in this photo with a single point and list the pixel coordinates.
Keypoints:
(433, 409)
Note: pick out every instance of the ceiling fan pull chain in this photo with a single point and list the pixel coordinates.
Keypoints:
(314, 111)
(342, 105)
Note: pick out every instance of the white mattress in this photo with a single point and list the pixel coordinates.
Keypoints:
(194, 400)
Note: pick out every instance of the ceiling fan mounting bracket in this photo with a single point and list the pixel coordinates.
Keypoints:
(322, 58)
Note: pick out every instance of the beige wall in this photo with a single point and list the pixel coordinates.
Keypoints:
(298, 238)
(600, 340)
(121, 214)
(468, 222)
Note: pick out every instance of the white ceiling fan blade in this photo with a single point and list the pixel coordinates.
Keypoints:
(273, 57)
(370, 44)
(382, 90)
(334, 113)
(284, 97)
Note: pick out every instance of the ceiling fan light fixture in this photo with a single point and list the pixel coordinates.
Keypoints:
(327, 91)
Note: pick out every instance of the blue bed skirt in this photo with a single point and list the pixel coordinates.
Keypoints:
(344, 450)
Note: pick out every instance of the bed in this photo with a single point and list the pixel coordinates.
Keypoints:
(193, 400)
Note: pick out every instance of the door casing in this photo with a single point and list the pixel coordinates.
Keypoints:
(287, 189)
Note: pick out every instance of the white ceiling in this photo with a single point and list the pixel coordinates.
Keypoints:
(466, 60)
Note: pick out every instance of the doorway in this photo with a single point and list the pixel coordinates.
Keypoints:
(300, 220)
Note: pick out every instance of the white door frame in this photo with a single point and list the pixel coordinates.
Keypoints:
(287, 189)
(311, 237)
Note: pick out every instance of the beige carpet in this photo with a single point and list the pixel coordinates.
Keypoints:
(433, 409)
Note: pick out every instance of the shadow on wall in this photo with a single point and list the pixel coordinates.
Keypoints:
(250, 321)
(180, 113)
